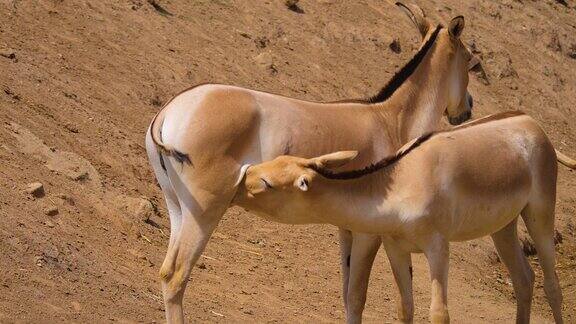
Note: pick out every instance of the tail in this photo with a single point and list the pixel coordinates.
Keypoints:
(167, 149)
(564, 159)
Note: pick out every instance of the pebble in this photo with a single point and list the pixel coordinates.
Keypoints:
(51, 211)
(395, 46)
(76, 306)
(7, 53)
(35, 189)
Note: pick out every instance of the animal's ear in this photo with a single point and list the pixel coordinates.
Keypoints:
(242, 174)
(456, 26)
(336, 159)
(302, 182)
(416, 14)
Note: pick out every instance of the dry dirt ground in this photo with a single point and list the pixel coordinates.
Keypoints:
(80, 81)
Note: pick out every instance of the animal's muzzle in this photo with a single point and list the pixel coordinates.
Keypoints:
(461, 118)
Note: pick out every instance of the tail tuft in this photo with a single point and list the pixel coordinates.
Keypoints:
(181, 157)
(169, 150)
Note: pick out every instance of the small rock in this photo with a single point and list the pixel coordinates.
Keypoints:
(39, 261)
(9, 54)
(562, 2)
(79, 175)
(201, 266)
(72, 128)
(36, 189)
(293, 5)
(395, 46)
(144, 210)
(51, 211)
(262, 42)
(76, 306)
(49, 223)
(572, 51)
(266, 61)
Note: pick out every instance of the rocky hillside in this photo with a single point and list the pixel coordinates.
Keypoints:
(83, 226)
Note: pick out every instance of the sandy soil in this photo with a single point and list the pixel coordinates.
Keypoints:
(80, 81)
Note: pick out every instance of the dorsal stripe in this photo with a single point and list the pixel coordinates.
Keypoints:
(389, 160)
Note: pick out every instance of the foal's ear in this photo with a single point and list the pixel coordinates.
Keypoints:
(456, 26)
(336, 159)
(242, 174)
(302, 182)
(416, 14)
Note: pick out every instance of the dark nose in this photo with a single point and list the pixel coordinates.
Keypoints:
(470, 101)
(460, 119)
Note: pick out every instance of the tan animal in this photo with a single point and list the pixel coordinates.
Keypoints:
(450, 186)
(198, 143)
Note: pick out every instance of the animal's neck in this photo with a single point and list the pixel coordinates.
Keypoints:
(417, 106)
(359, 205)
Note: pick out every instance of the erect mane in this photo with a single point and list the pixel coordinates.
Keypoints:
(389, 160)
(401, 76)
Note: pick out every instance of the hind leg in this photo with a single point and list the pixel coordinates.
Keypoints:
(172, 204)
(401, 264)
(197, 227)
(510, 251)
(540, 223)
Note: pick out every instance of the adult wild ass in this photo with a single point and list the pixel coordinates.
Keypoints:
(198, 143)
(456, 185)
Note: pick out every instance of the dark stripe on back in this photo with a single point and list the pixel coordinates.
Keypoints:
(353, 174)
(389, 160)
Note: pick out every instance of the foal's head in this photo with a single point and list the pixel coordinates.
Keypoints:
(288, 173)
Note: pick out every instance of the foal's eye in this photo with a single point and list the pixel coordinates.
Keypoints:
(268, 185)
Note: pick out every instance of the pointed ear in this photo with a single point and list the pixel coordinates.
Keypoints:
(456, 26)
(242, 174)
(302, 182)
(336, 159)
(416, 14)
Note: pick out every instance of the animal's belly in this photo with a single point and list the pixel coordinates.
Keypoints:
(483, 219)
(280, 215)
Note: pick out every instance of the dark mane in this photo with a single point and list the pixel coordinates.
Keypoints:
(405, 72)
(389, 160)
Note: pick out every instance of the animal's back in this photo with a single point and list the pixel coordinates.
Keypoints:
(489, 170)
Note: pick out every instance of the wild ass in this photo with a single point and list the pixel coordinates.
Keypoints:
(199, 141)
(457, 185)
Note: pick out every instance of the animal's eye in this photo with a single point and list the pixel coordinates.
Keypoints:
(268, 185)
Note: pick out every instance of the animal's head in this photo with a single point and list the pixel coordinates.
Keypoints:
(287, 174)
(459, 60)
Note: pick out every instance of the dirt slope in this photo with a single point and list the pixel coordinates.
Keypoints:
(80, 81)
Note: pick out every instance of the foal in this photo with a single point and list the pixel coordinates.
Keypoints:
(450, 186)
